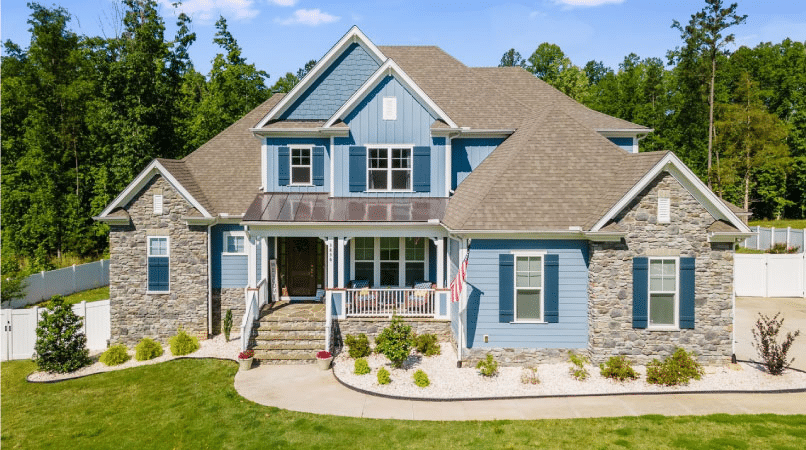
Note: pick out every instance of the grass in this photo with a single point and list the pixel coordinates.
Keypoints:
(92, 295)
(193, 404)
(749, 251)
(798, 224)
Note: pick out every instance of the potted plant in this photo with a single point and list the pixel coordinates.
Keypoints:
(245, 359)
(323, 359)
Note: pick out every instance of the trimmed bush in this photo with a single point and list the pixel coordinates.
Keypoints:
(427, 344)
(488, 367)
(357, 345)
(183, 343)
(578, 369)
(421, 378)
(383, 376)
(115, 355)
(394, 342)
(361, 366)
(679, 368)
(618, 368)
(61, 345)
(765, 341)
(227, 324)
(529, 376)
(147, 349)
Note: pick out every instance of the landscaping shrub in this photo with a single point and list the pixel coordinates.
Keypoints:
(427, 344)
(115, 355)
(383, 376)
(361, 366)
(529, 376)
(60, 346)
(183, 343)
(783, 249)
(227, 324)
(394, 342)
(358, 345)
(421, 379)
(488, 367)
(147, 349)
(578, 369)
(618, 368)
(679, 368)
(765, 341)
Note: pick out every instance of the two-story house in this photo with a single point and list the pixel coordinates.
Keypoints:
(365, 187)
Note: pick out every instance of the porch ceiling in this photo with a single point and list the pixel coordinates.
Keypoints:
(319, 207)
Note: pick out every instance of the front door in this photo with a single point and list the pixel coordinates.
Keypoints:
(301, 266)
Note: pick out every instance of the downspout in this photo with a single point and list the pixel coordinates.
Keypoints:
(209, 280)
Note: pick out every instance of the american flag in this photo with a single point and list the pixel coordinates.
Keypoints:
(458, 282)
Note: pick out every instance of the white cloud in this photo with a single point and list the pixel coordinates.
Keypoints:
(206, 11)
(312, 17)
(586, 3)
(284, 2)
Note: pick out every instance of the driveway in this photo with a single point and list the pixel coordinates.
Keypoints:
(793, 310)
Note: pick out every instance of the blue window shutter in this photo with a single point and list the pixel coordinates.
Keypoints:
(421, 169)
(283, 167)
(551, 295)
(640, 292)
(319, 166)
(158, 273)
(506, 287)
(687, 293)
(358, 169)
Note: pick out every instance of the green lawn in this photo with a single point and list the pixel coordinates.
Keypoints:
(794, 223)
(92, 295)
(193, 404)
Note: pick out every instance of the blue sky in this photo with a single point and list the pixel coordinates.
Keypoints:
(281, 35)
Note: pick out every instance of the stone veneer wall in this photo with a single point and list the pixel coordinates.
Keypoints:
(372, 327)
(136, 314)
(224, 299)
(610, 280)
(519, 356)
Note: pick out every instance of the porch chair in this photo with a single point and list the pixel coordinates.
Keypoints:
(364, 300)
(419, 300)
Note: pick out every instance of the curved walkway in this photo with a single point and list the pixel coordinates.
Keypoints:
(305, 388)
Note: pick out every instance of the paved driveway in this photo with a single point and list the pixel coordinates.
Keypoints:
(793, 310)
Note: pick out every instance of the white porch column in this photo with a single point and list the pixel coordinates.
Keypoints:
(264, 258)
(342, 259)
(330, 247)
(440, 245)
(251, 252)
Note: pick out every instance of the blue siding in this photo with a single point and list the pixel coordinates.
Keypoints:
(571, 331)
(467, 154)
(274, 183)
(367, 127)
(432, 262)
(623, 142)
(332, 89)
(229, 271)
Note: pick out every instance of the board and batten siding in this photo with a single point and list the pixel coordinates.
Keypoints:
(467, 154)
(272, 146)
(571, 331)
(333, 87)
(231, 271)
(412, 128)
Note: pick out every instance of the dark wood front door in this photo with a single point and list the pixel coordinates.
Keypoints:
(301, 266)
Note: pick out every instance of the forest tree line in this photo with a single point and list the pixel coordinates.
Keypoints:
(82, 115)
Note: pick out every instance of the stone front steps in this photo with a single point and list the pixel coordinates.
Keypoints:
(289, 333)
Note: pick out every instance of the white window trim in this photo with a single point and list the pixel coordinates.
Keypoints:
(225, 246)
(291, 165)
(676, 326)
(388, 169)
(167, 255)
(515, 287)
(376, 268)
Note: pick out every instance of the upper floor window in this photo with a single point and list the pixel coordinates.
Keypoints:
(301, 165)
(389, 169)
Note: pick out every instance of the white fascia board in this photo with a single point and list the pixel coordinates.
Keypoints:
(112, 220)
(730, 236)
(672, 164)
(471, 133)
(134, 188)
(198, 220)
(319, 229)
(623, 132)
(516, 234)
(301, 132)
(389, 68)
(354, 35)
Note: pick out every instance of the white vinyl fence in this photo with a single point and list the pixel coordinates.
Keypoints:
(765, 238)
(19, 328)
(768, 275)
(44, 285)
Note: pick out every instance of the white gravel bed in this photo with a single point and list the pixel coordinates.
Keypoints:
(449, 382)
(209, 348)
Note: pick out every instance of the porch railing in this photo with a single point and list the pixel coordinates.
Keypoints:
(256, 297)
(387, 302)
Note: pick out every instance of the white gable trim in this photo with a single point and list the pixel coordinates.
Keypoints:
(354, 35)
(389, 68)
(674, 166)
(144, 177)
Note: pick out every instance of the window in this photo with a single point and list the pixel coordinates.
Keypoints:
(158, 264)
(389, 261)
(389, 169)
(528, 288)
(663, 292)
(158, 204)
(415, 260)
(301, 165)
(364, 259)
(234, 243)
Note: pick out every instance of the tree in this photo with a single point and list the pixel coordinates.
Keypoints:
(549, 63)
(287, 82)
(61, 345)
(512, 58)
(704, 33)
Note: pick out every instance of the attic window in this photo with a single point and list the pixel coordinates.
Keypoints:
(158, 204)
(664, 207)
(390, 108)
